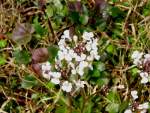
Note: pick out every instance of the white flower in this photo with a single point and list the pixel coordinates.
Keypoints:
(83, 64)
(71, 53)
(87, 35)
(83, 56)
(137, 62)
(66, 35)
(128, 111)
(46, 66)
(143, 106)
(144, 76)
(61, 55)
(90, 58)
(68, 57)
(55, 80)
(46, 75)
(78, 58)
(137, 55)
(94, 44)
(134, 94)
(88, 46)
(94, 53)
(90, 66)
(81, 72)
(143, 111)
(79, 84)
(61, 42)
(97, 57)
(73, 71)
(66, 86)
(56, 74)
(147, 56)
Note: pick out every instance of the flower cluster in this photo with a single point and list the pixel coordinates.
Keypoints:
(142, 61)
(74, 56)
(141, 107)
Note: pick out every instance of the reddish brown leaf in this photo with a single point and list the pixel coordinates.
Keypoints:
(40, 55)
(75, 6)
(37, 69)
(2, 36)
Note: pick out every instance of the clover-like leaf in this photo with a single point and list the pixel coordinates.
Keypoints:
(22, 57)
(28, 82)
(22, 33)
(40, 55)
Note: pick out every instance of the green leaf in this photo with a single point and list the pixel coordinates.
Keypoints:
(84, 19)
(29, 81)
(113, 97)
(102, 81)
(61, 109)
(3, 43)
(35, 96)
(49, 11)
(134, 72)
(22, 57)
(38, 28)
(2, 60)
(100, 66)
(88, 108)
(116, 12)
(123, 106)
(74, 16)
(112, 108)
(50, 85)
(111, 49)
(53, 50)
(96, 73)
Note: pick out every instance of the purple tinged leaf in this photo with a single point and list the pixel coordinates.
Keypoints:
(22, 33)
(37, 69)
(40, 55)
(75, 6)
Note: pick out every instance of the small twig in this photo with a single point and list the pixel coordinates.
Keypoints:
(50, 27)
(5, 49)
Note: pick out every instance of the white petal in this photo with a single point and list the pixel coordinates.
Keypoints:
(88, 47)
(134, 94)
(128, 111)
(147, 56)
(45, 75)
(66, 86)
(81, 72)
(68, 57)
(97, 57)
(55, 80)
(56, 74)
(137, 62)
(144, 106)
(144, 80)
(137, 55)
(83, 56)
(79, 84)
(73, 71)
(90, 58)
